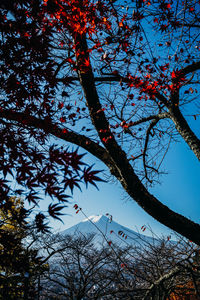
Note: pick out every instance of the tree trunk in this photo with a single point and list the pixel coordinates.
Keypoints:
(121, 167)
(185, 131)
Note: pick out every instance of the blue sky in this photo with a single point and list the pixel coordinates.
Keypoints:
(179, 189)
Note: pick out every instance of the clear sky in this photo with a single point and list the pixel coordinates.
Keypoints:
(179, 189)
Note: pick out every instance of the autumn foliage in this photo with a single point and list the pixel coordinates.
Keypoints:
(110, 77)
(16, 258)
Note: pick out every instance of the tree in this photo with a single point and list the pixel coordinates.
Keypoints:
(20, 263)
(162, 269)
(11, 249)
(75, 268)
(111, 78)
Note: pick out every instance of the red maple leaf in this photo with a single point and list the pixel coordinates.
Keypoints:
(87, 62)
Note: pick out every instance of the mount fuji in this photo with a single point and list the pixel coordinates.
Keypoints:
(106, 230)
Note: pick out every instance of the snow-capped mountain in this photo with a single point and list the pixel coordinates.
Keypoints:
(106, 230)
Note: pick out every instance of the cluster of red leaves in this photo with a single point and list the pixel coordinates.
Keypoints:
(178, 79)
(82, 17)
(144, 85)
(29, 84)
(28, 69)
(147, 85)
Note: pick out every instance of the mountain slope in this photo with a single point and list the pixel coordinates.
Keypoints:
(105, 230)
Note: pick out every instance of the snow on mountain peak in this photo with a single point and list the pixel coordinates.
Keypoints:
(105, 229)
(94, 219)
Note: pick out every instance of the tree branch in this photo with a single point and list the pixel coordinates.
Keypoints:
(153, 123)
(149, 118)
(125, 173)
(167, 276)
(184, 129)
(82, 141)
(191, 68)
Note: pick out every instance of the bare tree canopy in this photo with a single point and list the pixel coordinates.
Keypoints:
(160, 270)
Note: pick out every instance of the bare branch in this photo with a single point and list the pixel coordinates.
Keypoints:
(125, 173)
(153, 123)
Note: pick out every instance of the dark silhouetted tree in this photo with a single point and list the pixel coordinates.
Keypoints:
(20, 262)
(112, 78)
